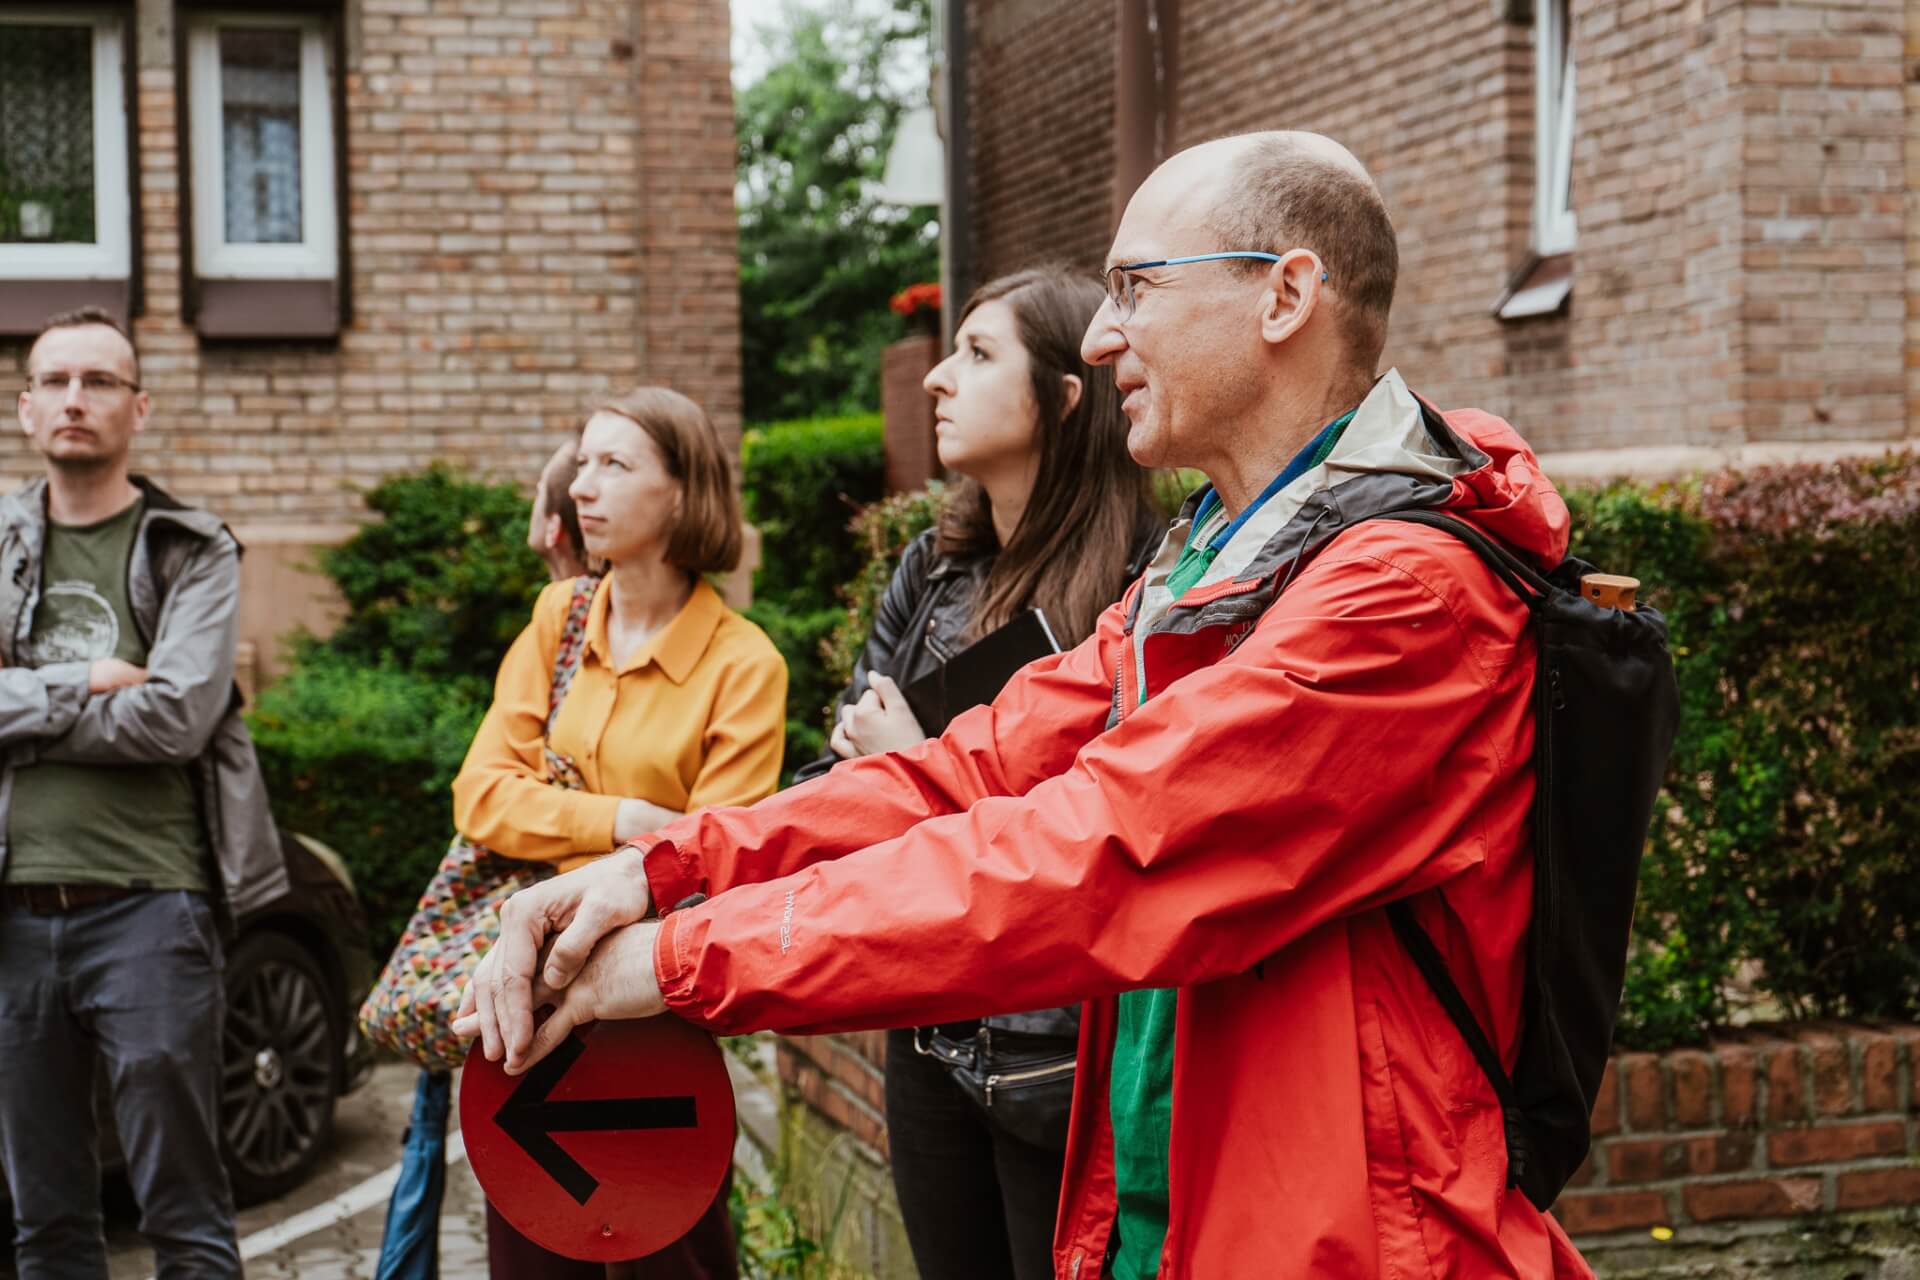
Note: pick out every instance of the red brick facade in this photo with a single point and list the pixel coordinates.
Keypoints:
(539, 210)
(1739, 177)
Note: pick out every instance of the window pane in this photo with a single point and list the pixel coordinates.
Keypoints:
(260, 133)
(46, 135)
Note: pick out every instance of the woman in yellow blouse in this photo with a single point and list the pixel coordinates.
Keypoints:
(679, 702)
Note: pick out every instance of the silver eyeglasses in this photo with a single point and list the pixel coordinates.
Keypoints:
(1120, 278)
(93, 382)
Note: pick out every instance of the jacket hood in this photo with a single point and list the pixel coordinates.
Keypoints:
(1508, 497)
(1397, 453)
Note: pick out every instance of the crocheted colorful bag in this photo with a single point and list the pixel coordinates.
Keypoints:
(410, 1009)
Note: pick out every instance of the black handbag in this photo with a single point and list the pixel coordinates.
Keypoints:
(1023, 1083)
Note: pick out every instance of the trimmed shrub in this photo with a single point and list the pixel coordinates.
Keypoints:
(363, 758)
(802, 482)
(442, 582)
(1784, 843)
(881, 533)
(360, 740)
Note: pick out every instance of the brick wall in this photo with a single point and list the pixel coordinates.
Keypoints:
(1740, 179)
(1776, 1122)
(540, 212)
(1040, 83)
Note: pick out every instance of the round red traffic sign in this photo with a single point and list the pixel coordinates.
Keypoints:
(610, 1147)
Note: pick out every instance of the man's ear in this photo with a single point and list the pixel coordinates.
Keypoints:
(142, 406)
(1292, 296)
(1074, 389)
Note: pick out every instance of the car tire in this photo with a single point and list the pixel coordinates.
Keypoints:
(279, 1066)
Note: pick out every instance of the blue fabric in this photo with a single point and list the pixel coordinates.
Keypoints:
(410, 1248)
(1314, 452)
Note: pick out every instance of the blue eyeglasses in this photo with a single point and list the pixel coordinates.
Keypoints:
(1120, 278)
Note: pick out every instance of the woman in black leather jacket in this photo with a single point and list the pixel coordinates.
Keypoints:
(1050, 513)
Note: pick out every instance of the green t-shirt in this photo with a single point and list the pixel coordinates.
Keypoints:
(1140, 1098)
(134, 825)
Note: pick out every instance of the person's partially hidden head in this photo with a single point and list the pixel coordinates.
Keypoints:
(1016, 400)
(654, 482)
(553, 531)
(1210, 345)
(83, 404)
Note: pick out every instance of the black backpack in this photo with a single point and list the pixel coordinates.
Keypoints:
(1605, 708)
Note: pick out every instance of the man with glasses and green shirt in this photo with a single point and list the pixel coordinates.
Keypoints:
(135, 823)
(1194, 821)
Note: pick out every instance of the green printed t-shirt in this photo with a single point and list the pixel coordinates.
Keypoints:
(1140, 1098)
(132, 825)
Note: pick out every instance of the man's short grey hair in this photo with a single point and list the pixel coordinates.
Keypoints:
(1282, 198)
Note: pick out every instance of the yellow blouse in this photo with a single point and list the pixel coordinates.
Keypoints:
(695, 718)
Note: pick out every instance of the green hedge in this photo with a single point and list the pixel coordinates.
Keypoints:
(802, 482)
(1783, 847)
(361, 738)
(363, 758)
(442, 582)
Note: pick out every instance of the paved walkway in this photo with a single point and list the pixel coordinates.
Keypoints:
(329, 1229)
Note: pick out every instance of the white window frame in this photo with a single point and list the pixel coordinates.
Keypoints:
(317, 256)
(110, 256)
(1553, 112)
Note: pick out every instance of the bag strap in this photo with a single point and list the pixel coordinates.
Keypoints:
(1524, 580)
(573, 641)
(1530, 586)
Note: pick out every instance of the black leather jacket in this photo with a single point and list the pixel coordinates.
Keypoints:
(917, 626)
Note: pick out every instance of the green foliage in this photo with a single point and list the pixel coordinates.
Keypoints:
(881, 532)
(803, 481)
(363, 757)
(799, 636)
(819, 255)
(1782, 844)
(442, 582)
(361, 739)
(774, 1226)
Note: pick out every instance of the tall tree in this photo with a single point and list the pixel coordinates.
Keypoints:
(819, 255)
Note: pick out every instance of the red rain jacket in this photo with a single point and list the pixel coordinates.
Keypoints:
(1307, 755)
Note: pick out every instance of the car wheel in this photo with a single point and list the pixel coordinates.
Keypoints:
(278, 1068)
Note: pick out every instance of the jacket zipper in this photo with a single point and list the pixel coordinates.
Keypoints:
(1031, 1073)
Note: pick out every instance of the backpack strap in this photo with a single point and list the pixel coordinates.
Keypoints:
(1530, 586)
(1433, 967)
(1524, 580)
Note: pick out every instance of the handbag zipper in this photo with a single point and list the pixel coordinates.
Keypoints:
(1022, 1077)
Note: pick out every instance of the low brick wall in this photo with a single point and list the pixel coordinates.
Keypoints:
(1809, 1127)
(1766, 1122)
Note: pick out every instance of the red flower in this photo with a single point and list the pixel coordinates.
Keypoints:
(916, 297)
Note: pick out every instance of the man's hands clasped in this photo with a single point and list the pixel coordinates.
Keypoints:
(565, 942)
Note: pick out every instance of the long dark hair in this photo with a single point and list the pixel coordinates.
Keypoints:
(1070, 553)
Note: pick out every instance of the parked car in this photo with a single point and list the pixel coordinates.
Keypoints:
(295, 977)
(296, 972)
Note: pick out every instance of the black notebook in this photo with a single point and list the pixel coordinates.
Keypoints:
(978, 672)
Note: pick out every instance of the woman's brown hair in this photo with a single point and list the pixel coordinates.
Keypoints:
(708, 537)
(1070, 553)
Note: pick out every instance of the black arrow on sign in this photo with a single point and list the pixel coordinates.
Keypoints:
(530, 1120)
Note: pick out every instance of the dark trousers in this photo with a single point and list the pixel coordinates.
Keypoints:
(134, 984)
(704, 1253)
(979, 1204)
